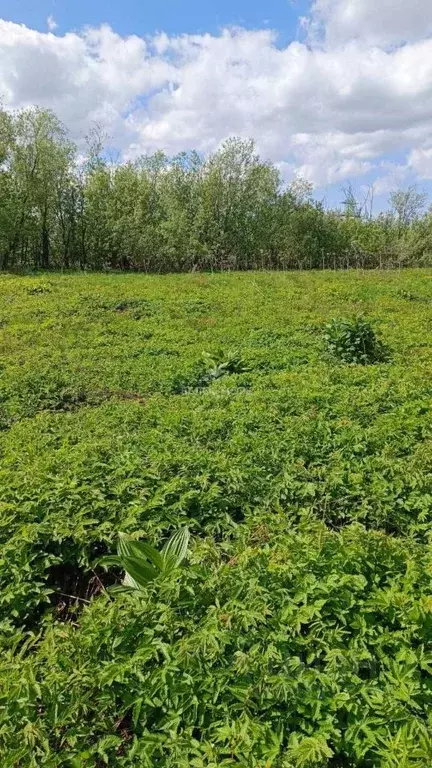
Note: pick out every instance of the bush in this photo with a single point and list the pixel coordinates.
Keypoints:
(354, 341)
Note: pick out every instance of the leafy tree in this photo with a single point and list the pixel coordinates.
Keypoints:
(39, 157)
(407, 204)
(160, 214)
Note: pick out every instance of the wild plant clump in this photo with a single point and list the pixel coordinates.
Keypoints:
(354, 341)
(221, 364)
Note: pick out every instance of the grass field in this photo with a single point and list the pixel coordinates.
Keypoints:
(298, 632)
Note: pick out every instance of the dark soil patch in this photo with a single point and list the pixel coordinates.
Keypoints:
(74, 586)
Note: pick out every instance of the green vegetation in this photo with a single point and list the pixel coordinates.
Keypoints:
(143, 563)
(230, 210)
(354, 341)
(296, 633)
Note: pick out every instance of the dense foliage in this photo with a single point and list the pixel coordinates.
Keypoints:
(297, 630)
(59, 209)
(354, 341)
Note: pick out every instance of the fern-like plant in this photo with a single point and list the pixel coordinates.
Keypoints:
(307, 752)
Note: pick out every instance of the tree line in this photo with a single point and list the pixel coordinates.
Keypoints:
(230, 210)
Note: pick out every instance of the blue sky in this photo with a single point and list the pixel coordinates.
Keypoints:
(338, 92)
(145, 18)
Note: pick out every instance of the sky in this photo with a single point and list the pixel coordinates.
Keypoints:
(336, 91)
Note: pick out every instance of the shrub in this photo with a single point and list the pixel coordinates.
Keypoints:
(354, 341)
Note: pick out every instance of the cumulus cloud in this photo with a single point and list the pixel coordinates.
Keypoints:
(51, 23)
(94, 76)
(378, 22)
(420, 161)
(328, 112)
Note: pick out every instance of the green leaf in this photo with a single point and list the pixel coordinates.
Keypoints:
(109, 560)
(128, 547)
(125, 588)
(139, 571)
(146, 551)
(124, 548)
(175, 549)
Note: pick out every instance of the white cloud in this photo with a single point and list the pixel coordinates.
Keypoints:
(90, 77)
(420, 161)
(51, 23)
(378, 22)
(393, 176)
(329, 113)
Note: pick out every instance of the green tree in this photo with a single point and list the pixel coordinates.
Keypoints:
(407, 204)
(37, 163)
